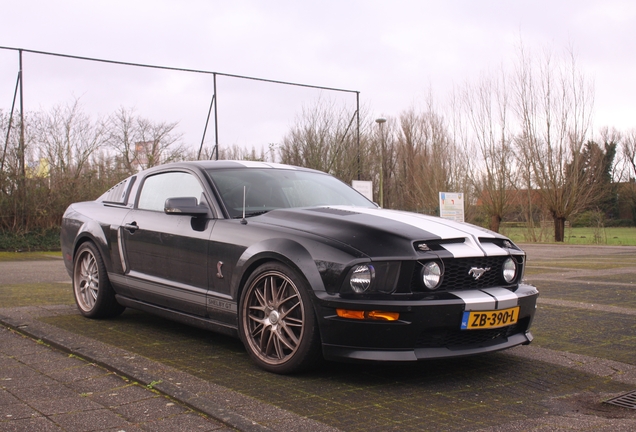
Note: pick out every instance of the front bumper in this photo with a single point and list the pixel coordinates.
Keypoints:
(428, 328)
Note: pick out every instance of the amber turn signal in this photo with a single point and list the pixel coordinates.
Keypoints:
(368, 315)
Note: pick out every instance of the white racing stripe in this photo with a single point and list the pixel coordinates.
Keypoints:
(464, 250)
(505, 298)
(425, 223)
(476, 300)
(487, 299)
(492, 249)
(255, 164)
(444, 228)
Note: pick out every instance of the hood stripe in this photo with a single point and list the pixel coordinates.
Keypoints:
(413, 219)
(256, 164)
(487, 299)
(442, 228)
(505, 298)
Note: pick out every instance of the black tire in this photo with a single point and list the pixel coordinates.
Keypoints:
(277, 322)
(94, 295)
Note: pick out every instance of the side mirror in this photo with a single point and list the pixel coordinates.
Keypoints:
(187, 206)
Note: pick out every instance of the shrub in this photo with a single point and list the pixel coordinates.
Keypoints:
(44, 240)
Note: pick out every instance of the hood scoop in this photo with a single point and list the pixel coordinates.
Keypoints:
(334, 211)
(435, 245)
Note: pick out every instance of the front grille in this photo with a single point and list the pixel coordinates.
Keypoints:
(457, 274)
(449, 338)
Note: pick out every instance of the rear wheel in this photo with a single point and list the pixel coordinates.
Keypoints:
(93, 292)
(277, 322)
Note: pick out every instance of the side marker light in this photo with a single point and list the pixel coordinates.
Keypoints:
(368, 315)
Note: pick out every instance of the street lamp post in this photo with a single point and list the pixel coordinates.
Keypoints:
(380, 121)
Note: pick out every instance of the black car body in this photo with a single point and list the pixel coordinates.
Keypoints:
(297, 264)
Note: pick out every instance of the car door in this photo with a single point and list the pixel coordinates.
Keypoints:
(166, 254)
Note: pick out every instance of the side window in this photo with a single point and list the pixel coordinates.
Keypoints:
(159, 187)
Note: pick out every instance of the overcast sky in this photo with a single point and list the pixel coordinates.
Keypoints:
(393, 53)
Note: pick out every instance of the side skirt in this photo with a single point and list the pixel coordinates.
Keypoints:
(206, 324)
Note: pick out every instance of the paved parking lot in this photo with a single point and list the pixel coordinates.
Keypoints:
(583, 354)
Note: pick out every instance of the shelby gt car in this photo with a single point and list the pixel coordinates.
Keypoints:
(297, 264)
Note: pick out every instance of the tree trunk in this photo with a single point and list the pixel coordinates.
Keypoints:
(559, 228)
(495, 221)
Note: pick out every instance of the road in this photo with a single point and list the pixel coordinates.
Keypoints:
(583, 354)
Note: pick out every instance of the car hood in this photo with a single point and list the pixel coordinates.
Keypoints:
(388, 233)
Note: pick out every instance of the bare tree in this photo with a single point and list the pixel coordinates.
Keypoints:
(554, 105)
(141, 143)
(629, 158)
(487, 107)
(61, 169)
(324, 138)
(10, 176)
(236, 152)
(68, 160)
(629, 152)
(426, 161)
(67, 138)
(5, 135)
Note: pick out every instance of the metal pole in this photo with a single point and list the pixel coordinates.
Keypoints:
(6, 143)
(358, 134)
(21, 144)
(380, 121)
(22, 182)
(205, 129)
(214, 74)
(216, 120)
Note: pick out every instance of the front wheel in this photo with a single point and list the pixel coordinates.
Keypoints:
(94, 294)
(277, 322)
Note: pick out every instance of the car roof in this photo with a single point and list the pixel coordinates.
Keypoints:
(227, 164)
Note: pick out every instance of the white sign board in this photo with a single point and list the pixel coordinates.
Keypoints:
(364, 187)
(451, 206)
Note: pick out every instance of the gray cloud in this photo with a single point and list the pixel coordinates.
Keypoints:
(392, 52)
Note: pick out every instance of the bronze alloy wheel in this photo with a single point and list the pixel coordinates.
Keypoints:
(94, 295)
(277, 321)
(86, 280)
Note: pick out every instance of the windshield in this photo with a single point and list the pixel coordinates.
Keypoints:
(269, 189)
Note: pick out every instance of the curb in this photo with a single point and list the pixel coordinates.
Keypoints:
(215, 401)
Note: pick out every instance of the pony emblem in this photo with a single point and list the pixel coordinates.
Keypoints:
(477, 272)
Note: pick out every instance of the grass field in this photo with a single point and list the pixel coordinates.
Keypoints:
(28, 256)
(625, 236)
(622, 236)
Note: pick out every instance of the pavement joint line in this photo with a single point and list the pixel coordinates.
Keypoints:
(587, 306)
(140, 369)
(617, 371)
(596, 272)
(549, 277)
(546, 278)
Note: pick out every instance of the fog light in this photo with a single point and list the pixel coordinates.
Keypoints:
(361, 278)
(432, 275)
(509, 270)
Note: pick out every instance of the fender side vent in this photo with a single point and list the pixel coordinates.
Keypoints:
(626, 401)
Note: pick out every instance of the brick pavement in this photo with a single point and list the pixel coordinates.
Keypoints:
(531, 388)
(44, 389)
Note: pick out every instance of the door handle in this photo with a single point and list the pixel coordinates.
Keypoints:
(131, 227)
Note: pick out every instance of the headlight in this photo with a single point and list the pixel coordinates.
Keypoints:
(432, 275)
(509, 270)
(361, 278)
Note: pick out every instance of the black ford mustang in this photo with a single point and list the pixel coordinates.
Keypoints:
(297, 264)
